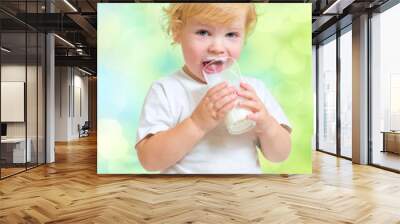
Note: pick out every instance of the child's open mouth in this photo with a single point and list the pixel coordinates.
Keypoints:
(213, 66)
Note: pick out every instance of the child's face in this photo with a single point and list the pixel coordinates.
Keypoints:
(202, 42)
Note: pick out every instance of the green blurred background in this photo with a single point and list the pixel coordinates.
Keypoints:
(134, 50)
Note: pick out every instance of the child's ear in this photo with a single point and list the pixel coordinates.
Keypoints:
(177, 38)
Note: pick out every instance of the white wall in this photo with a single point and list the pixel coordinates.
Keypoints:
(12, 101)
(14, 73)
(71, 93)
(61, 103)
(81, 89)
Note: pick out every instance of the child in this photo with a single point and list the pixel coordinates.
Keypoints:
(181, 129)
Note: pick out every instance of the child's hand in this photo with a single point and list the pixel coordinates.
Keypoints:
(214, 106)
(251, 102)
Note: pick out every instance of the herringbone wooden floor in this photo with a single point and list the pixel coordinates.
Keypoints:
(70, 191)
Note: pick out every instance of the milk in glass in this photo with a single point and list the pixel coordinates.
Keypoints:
(226, 69)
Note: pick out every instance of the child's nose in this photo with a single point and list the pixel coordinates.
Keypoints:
(216, 47)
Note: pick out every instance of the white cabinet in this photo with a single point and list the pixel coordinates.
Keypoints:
(18, 149)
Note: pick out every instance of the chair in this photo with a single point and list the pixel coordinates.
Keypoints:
(84, 130)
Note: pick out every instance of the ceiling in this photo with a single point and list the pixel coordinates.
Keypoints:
(76, 22)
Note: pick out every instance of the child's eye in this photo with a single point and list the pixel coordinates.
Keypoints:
(202, 33)
(232, 34)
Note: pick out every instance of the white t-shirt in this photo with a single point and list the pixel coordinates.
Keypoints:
(172, 99)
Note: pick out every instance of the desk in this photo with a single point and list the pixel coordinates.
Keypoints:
(391, 141)
(16, 147)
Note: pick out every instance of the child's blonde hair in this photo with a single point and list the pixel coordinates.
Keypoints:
(210, 13)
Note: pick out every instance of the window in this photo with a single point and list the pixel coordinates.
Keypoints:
(327, 96)
(346, 93)
(385, 89)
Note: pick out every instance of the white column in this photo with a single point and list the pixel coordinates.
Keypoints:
(50, 92)
(360, 90)
(50, 108)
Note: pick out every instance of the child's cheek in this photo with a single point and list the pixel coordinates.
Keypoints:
(194, 53)
(235, 53)
(200, 46)
(235, 49)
